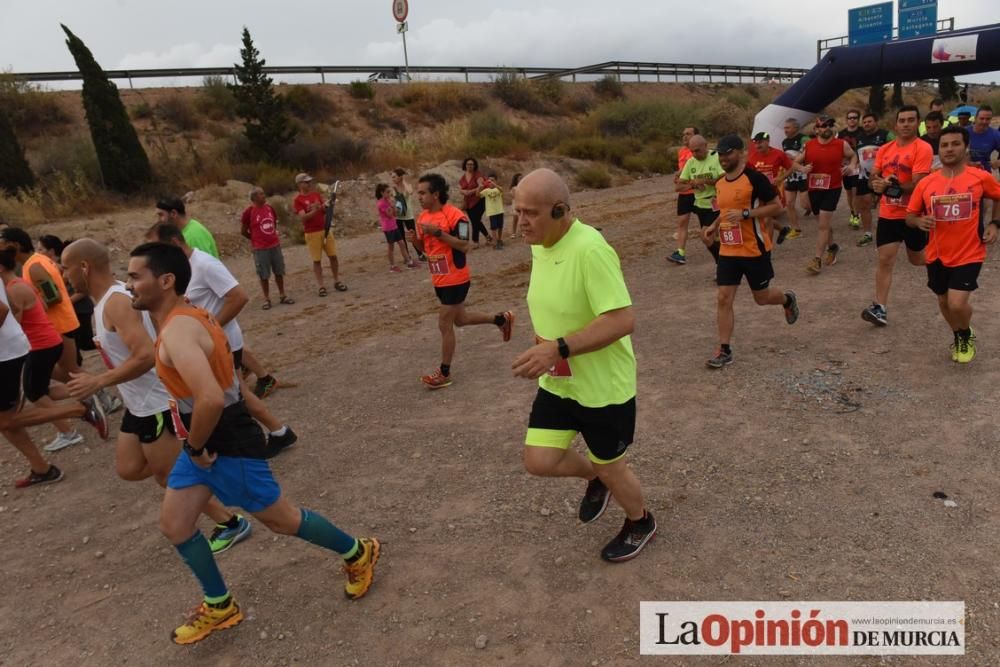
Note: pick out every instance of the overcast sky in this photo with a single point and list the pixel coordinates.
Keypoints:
(204, 33)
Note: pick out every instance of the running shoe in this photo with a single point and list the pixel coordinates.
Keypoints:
(436, 380)
(783, 234)
(677, 258)
(966, 350)
(794, 234)
(595, 500)
(279, 443)
(94, 415)
(814, 266)
(64, 440)
(632, 538)
(53, 474)
(954, 347)
(876, 315)
(720, 359)
(109, 402)
(508, 324)
(792, 309)
(855, 221)
(831, 254)
(411, 264)
(223, 537)
(206, 619)
(264, 386)
(866, 239)
(395, 269)
(361, 572)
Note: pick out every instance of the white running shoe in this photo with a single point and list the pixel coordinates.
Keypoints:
(64, 440)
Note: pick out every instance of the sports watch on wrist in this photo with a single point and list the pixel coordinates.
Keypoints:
(746, 214)
(192, 452)
(563, 348)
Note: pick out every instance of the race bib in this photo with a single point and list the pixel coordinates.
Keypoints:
(561, 368)
(819, 181)
(175, 417)
(104, 355)
(952, 208)
(731, 235)
(438, 265)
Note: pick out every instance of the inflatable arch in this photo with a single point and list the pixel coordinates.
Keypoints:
(952, 53)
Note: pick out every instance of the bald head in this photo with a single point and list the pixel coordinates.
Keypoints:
(698, 146)
(544, 187)
(87, 266)
(87, 250)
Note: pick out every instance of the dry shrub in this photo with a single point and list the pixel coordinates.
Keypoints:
(609, 87)
(21, 210)
(141, 111)
(31, 109)
(606, 149)
(361, 90)
(274, 179)
(179, 111)
(306, 103)
(519, 93)
(724, 117)
(594, 176)
(441, 100)
(329, 148)
(490, 134)
(216, 99)
(70, 154)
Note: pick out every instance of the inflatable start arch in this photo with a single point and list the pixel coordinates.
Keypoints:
(945, 54)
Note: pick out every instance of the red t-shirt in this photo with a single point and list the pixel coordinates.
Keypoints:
(683, 155)
(903, 162)
(447, 266)
(954, 203)
(827, 160)
(262, 222)
(466, 183)
(769, 163)
(317, 220)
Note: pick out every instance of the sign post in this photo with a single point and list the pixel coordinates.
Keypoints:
(917, 18)
(869, 24)
(400, 10)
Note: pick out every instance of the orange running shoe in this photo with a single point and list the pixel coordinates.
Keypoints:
(361, 572)
(206, 619)
(507, 328)
(436, 380)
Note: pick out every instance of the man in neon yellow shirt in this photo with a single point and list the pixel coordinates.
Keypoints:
(583, 360)
(494, 208)
(195, 234)
(700, 173)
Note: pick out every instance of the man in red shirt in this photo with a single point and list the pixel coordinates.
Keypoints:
(947, 204)
(311, 209)
(442, 234)
(776, 166)
(899, 166)
(259, 223)
(823, 159)
(685, 198)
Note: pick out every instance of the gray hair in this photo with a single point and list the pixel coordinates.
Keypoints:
(793, 121)
(255, 189)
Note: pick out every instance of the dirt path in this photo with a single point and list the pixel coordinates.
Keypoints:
(803, 471)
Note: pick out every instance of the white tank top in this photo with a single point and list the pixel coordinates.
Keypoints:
(145, 395)
(13, 342)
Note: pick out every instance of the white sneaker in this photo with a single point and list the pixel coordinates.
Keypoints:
(109, 401)
(64, 440)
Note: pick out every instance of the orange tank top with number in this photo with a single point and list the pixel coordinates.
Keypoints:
(221, 359)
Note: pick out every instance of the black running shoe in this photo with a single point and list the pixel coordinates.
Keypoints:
(720, 359)
(782, 234)
(279, 443)
(876, 315)
(632, 538)
(595, 500)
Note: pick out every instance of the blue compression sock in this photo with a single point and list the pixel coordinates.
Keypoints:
(198, 556)
(317, 529)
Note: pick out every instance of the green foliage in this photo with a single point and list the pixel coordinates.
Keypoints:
(947, 88)
(361, 90)
(179, 111)
(123, 161)
(315, 149)
(265, 120)
(15, 173)
(307, 104)
(605, 149)
(897, 95)
(876, 100)
(646, 120)
(595, 176)
(609, 87)
(216, 99)
(30, 110)
(739, 98)
(490, 134)
(274, 179)
(519, 93)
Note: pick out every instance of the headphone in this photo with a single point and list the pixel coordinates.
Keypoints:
(558, 211)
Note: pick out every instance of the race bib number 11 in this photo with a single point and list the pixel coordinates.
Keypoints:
(438, 265)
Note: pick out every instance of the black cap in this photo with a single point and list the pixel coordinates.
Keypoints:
(728, 144)
(762, 136)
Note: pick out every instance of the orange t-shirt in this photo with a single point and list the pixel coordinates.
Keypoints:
(683, 155)
(221, 360)
(954, 203)
(903, 162)
(61, 314)
(447, 265)
(746, 238)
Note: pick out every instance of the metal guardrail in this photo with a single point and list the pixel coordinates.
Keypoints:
(657, 71)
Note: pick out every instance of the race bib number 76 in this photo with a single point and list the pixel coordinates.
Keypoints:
(952, 208)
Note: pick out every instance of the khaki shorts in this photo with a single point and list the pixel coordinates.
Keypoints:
(316, 245)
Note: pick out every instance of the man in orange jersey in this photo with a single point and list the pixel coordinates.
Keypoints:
(685, 198)
(745, 198)
(442, 234)
(947, 205)
(899, 166)
(223, 447)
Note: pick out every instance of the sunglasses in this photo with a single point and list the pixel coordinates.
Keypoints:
(828, 123)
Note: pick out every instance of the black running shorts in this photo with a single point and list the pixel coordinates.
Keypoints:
(452, 295)
(38, 371)
(897, 231)
(824, 200)
(758, 271)
(148, 429)
(964, 278)
(555, 421)
(685, 203)
(10, 383)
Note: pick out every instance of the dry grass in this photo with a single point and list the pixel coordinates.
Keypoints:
(440, 100)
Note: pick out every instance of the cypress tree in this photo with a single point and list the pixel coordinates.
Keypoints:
(14, 170)
(948, 88)
(265, 120)
(876, 100)
(123, 161)
(897, 95)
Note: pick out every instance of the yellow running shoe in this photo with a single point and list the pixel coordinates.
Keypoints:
(205, 619)
(966, 350)
(794, 234)
(361, 572)
(814, 266)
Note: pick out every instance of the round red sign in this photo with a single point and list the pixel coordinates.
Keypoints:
(400, 9)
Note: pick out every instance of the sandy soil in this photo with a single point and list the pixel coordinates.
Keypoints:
(803, 471)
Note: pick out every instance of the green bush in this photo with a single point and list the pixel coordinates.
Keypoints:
(551, 90)
(518, 93)
(73, 154)
(658, 159)
(307, 104)
(179, 111)
(31, 110)
(605, 149)
(724, 117)
(324, 149)
(647, 120)
(142, 111)
(490, 134)
(739, 98)
(274, 179)
(216, 99)
(609, 87)
(361, 90)
(596, 177)
(548, 138)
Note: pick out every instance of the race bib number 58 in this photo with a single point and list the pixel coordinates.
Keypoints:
(952, 208)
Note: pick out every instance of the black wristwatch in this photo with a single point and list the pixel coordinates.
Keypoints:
(437, 233)
(192, 452)
(563, 348)
(746, 214)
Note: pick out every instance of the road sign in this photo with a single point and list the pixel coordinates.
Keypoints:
(869, 24)
(401, 27)
(400, 10)
(917, 18)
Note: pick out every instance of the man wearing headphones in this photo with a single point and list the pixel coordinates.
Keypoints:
(442, 234)
(582, 315)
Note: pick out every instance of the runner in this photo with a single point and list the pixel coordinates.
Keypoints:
(700, 173)
(310, 208)
(745, 198)
(936, 106)
(583, 360)
(223, 447)
(406, 205)
(685, 197)
(775, 165)
(215, 289)
(869, 141)
(984, 140)
(948, 204)
(899, 166)
(146, 445)
(172, 210)
(442, 234)
(259, 223)
(932, 125)
(850, 135)
(795, 184)
(824, 158)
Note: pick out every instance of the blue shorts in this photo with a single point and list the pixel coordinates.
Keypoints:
(235, 481)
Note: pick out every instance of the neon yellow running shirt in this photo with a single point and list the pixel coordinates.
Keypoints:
(707, 168)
